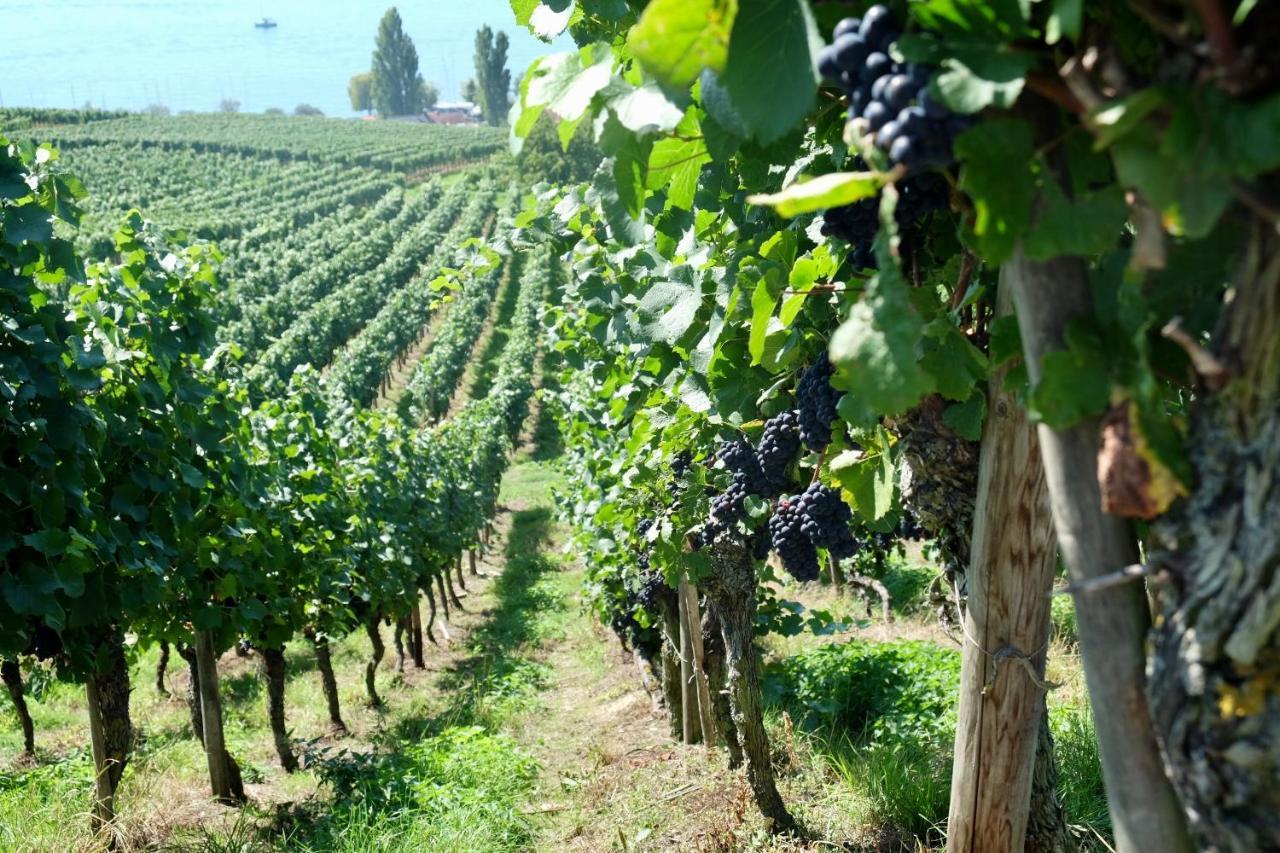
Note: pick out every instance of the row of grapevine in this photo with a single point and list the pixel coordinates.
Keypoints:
(320, 329)
(262, 306)
(147, 497)
(361, 368)
(435, 377)
(213, 197)
(393, 146)
(1007, 270)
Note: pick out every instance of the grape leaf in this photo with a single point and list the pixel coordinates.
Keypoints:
(770, 73)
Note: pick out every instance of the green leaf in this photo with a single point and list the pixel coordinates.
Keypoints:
(1074, 384)
(676, 163)
(667, 311)
(762, 304)
(1064, 21)
(981, 80)
(1116, 118)
(1088, 226)
(875, 350)
(870, 481)
(832, 190)
(646, 109)
(675, 39)
(966, 418)
(770, 73)
(997, 156)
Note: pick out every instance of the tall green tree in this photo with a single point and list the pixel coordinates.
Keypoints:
(360, 90)
(397, 85)
(493, 80)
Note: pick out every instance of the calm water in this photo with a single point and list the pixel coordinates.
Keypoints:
(190, 55)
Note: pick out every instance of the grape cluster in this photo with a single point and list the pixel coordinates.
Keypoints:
(795, 549)
(681, 464)
(818, 402)
(726, 508)
(642, 527)
(893, 98)
(826, 519)
(859, 222)
(739, 459)
(779, 443)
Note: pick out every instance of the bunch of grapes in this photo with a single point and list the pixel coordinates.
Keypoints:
(739, 459)
(726, 508)
(826, 519)
(859, 222)
(779, 443)
(681, 464)
(799, 556)
(818, 402)
(909, 124)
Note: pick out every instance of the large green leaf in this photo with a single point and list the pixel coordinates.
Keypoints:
(770, 73)
(832, 190)
(997, 156)
(676, 39)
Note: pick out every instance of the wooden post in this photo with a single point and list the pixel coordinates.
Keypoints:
(837, 576)
(1010, 575)
(211, 716)
(104, 793)
(1145, 812)
(693, 623)
(691, 721)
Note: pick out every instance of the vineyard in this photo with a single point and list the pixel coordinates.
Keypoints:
(868, 441)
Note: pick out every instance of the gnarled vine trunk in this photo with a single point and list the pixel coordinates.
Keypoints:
(1214, 678)
(273, 670)
(12, 676)
(328, 683)
(188, 654)
(375, 658)
(731, 592)
(110, 729)
(672, 689)
(162, 666)
(713, 662)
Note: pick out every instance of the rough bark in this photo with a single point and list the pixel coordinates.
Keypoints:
(457, 570)
(12, 676)
(713, 660)
(274, 671)
(329, 683)
(1215, 665)
(444, 596)
(397, 640)
(415, 634)
(431, 612)
(1046, 823)
(224, 774)
(110, 729)
(375, 658)
(671, 684)
(731, 590)
(162, 666)
(1113, 622)
(188, 654)
(1009, 577)
(471, 561)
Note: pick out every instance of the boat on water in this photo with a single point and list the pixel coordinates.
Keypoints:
(264, 24)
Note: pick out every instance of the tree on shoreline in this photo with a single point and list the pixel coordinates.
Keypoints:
(397, 85)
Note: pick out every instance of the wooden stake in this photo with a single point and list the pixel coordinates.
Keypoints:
(692, 722)
(693, 621)
(1010, 573)
(215, 748)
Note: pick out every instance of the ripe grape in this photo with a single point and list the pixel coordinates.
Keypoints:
(818, 402)
(739, 458)
(881, 91)
(826, 519)
(792, 546)
(779, 443)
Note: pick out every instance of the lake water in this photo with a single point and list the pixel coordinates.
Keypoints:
(190, 55)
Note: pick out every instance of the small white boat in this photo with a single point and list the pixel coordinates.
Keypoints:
(264, 24)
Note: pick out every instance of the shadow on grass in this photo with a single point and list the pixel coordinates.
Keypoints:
(430, 779)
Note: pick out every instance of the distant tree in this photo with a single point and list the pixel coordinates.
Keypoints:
(543, 158)
(307, 110)
(397, 85)
(493, 80)
(273, 111)
(430, 96)
(156, 110)
(228, 105)
(470, 91)
(360, 90)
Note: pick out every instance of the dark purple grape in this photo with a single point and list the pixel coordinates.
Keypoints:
(876, 114)
(848, 25)
(898, 92)
(877, 65)
(793, 548)
(818, 401)
(779, 444)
